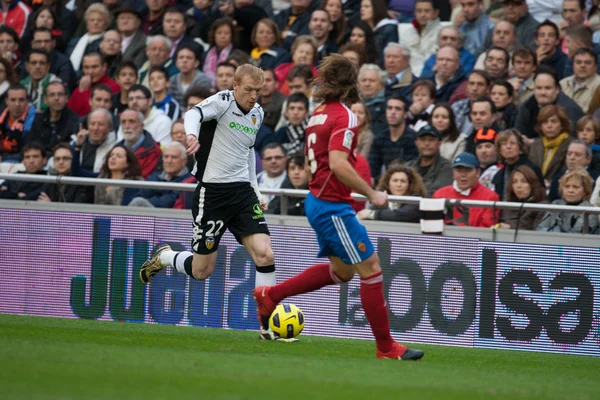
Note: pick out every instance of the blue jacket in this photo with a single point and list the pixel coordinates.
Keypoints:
(467, 62)
(299, 27)
(163, 198)
(273, 57)
(558, 62)
(444, 93)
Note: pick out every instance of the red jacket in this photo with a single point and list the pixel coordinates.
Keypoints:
(16, 16)
(148, 154)
(282, 70)
(479, 217)
(80, 101)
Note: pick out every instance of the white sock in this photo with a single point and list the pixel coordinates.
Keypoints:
(179, 261)
(265, 276)
(166, 258)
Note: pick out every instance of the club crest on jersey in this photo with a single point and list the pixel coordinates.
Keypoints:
(209, 242)
(362, 247)
(348, 136)
(320, 108)
(253, 116)
(205, 102)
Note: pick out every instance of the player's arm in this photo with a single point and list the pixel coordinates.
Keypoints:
(204, 111)
(345, 172)
(253, 181)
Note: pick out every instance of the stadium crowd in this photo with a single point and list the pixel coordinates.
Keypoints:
(466, 99)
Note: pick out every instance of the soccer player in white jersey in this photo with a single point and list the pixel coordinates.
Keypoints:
(221, 131)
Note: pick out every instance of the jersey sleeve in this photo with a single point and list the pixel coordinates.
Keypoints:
(210, 108)
(344, 133)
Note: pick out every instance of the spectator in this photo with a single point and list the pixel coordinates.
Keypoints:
(7, 78)
(57, 123)
(448, 74)
(140, 142)
(94, 73)
(365, 134)
(371, 88)
(60, 65)
(548, 50)
(133, 40)
(187, 62)
(478, 85)
(430, 165)
(9, 46)
(155, 122)
(91, 146)
(101, 97)
(120, 164)
(502, 94)
(125, 76)
(355, 53)
(578, 37)
(38, 69)
(398, 142)
(420, 35)
(194, 95)
(267, 51)
(161, 98)
(45, 17)
(293, 22)
(451, 36)
(153, 21)
(524, 188)
(304, 51)
(476, 25)
(524, 62)
(178, 135)
(423, 97)
(299, 80)
(292, 136)
(110, 48)
(201, 17)
(97, 18)
(588, 130)
(340, 32)
(504, 36)
(225, 76)
(576, 189)
(238, 58)
(297, 178)
(483, 112)
(398, 181)
(544, 10)
(16, 122)
(546, 92)
(34, 160)
(453, 143)
(517, 13)
(16, 15)
(374, 14)
(246, 13)
(174, 27)
(574, 13)
(319, 26)
(174, 170)
(157, 50)
(270, 99)
(581, 86)
(273, 168)
(466, 186)
(222, 38)
(512, 152)
(579, 156)
(485, 151)
(399, 75)
(60, 192)
(363, 35)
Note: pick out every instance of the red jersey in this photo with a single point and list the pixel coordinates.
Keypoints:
(331, 127)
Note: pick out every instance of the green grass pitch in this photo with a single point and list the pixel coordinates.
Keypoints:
(45, 358)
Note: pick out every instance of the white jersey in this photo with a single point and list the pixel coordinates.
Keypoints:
(226, 134)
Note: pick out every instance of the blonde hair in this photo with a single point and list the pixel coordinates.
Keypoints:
(305, 39)
(583, 177)
(249, 70)
(100, 9)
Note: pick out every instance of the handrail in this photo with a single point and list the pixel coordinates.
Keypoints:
(189, 187)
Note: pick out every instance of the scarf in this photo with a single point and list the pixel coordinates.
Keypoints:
(295, 135)
(257, 52)
(79, 50)
(213, 59)
(550, 146)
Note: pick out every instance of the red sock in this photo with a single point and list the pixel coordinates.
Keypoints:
(312, 278)
(371, 296)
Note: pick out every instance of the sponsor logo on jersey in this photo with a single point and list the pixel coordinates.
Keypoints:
(258, 213)
(317, 120)
(243, 128)
(253, 116)
(209, 242)
(348, 136)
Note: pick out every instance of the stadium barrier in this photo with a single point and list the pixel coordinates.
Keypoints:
(82, 261)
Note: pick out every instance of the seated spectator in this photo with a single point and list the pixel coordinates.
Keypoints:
(512, 152)
(158, 49)
(335, 9)
(466, 186)
(100, 97)
(94, 73)
(133, 42)
(58, 123)
(549, 150)
(517, 13)
(583, 83)
(140, 142)
(371, 88)
(476, 25)
(120, 163)
(91, 146)
(502, 94)
(524, 187)
(125, 76)
(451, 36)
(579, 156)
(153, 18)
(504, 36)
(374, 14)
(16, 122)
(319, 27)
(274, 160)
(270, 99)
(362, 34)
(549, 53)
(7, 78)
(398, 181)
(60, 65)
(58, 20)
(483, 112)
(304, 51)
(39, 76)
(161, 99)
(478, 85)
(97, 18)
(293, 22)
(201, 17)
(60, 192)
(448, 74)
(485, 151)
(178, 135)
(174, 170)
(300, 79)
(155, 122)
(434, 169)
(423, 98)
(355, 53)
(110, 48)
(400, 77)
(292, 135)
(365, 134)
(398, 142)
(187, 62)
(297, 178)
(175, 27)
(453, 143)
(222, 38)
(524, 61)
(225, 76)
(9, 46)
(588, 130)
(576, 189)
(195, 95)
(34, 160)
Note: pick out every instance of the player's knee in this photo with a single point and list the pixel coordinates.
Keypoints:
(369, 267)
(264, 256)
(202, 270)
(345, 276)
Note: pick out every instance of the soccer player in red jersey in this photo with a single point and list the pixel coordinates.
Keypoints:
(331, 138)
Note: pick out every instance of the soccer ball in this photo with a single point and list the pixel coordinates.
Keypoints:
(287, 321)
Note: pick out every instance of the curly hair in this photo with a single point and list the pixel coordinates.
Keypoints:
(337, 80)
(415, 182)
(583, 177)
